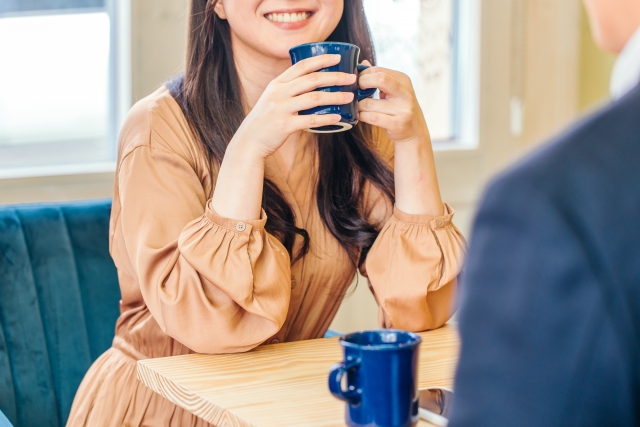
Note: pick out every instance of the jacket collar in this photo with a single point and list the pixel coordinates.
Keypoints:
(626, 72)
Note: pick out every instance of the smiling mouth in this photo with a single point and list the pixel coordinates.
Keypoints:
(288, 17)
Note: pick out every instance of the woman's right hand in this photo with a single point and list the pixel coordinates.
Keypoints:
(238, 190)
(275, 116)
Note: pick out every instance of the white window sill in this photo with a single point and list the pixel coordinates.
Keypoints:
(110, 167)
(107, 167)
(454, 145)
(58, 170)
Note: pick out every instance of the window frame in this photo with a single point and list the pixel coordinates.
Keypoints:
(119, 91)
(466, 81)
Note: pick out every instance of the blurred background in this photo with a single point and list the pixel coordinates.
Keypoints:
(494, 78)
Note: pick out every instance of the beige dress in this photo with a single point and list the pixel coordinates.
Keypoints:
(193, 281)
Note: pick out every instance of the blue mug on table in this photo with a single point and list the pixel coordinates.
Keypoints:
(348, 64)
(381, 368)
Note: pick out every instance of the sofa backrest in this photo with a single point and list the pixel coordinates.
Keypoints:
(59, 299)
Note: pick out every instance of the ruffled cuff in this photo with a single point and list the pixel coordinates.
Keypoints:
(238, 226)
(414, 256)
(231, 253)
(434, 222)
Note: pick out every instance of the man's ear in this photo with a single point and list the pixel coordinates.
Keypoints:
(219, 9)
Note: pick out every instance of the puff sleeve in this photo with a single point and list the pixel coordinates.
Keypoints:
(214, 284)
(413, 265)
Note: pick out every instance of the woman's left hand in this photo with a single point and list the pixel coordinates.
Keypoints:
(397, 111)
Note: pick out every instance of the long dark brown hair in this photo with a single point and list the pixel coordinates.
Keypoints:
(209, 94)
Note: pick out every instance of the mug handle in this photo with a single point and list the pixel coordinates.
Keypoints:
(364, 93)
(352, 394)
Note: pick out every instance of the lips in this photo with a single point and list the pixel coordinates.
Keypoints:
(288, 17)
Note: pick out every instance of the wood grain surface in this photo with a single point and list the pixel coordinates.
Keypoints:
(278, 385)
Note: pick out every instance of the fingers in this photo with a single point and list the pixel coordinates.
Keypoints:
(307, 66)
(383, 81)
(393, 84)
(319, 98)
(385, 121)
(382, 106)
(393, 73)
(312, 121)
(317, 80)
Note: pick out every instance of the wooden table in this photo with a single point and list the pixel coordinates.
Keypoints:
(278, 385)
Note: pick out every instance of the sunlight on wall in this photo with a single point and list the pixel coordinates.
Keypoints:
(595, 68)
(416, 37)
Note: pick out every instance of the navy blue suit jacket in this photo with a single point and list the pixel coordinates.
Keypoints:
(550, 295)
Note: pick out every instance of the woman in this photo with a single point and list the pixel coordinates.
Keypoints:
(232, 228)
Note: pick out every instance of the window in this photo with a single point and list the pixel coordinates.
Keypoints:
(431, 42)
(57, 104)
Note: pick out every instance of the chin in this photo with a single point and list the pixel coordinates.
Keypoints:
(282, 53)
(281, 50)
(610, 41)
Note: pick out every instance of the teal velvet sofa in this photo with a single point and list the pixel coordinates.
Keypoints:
(58, 305)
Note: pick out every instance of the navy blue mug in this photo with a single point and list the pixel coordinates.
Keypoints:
(348, 64)
(381, 368)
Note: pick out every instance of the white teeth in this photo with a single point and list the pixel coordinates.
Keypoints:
(288, 17)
